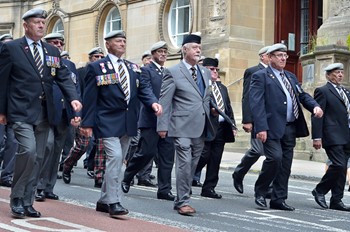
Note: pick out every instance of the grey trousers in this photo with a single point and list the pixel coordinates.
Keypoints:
(115, 149)
(188, 152)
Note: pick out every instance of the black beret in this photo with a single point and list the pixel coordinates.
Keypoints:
(192, 38)
(211, 62)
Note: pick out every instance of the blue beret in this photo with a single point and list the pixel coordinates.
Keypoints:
(277, 47)
(6, 36)
(159, 44)
(115, 34)
(54, 36)
(35, 13)
(192, 38)
(334, 66)
(96, 50)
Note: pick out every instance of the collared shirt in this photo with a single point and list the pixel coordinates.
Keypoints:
(158, 66)
(39, 46)
(265, 65)
(188, 66)
(114, 59)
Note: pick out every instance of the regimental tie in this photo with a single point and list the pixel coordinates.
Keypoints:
(345, 100)
(194, 74)
(218, 97)
(123, 80)
(37, 58)
(292, 95)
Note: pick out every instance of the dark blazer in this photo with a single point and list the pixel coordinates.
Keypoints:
(104, 106)
(21, 86)
(246, 112)
(268, 104)
(151, 77)
(333, 127)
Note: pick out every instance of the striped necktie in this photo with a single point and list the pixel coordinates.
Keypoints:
(345, 100)
(123, 80)
(218, 97)
(194, 74)
(37, 58)
(292, 95)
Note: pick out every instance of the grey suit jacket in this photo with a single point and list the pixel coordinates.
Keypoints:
(186, 112)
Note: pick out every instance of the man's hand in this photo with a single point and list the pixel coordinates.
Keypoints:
(317, 143)
(86, 131)
(262, 136)
(157, 108)
(247, 127)
(234, 133)
(76, 105)
(162, 134)
(318, 112)
(75, 121)
(3, 120)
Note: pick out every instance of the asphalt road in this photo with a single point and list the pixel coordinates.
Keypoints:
(234, 212)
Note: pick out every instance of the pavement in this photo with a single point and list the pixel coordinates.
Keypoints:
(301, 169)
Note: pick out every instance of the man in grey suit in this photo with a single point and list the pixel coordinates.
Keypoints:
(185, 96)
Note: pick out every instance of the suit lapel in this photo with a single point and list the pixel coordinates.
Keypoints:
(27, 52)
(271, 74)
(334, 91)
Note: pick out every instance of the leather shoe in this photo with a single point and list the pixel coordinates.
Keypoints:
(147, 183)
(117, 209)
(6, 183)
(186, 210)
(66, 176)
(101, 207)
(260, 201)
(196, 183)
(125, 187)
(17, 209)
(51, 196)
(40, 195)
(281, 206)
(166, 196)
(211, 194)
(320, 199)
(31, 212)
(152, 177)
(339, 206)
(237, 183)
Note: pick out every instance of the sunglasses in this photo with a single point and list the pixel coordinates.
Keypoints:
(56, 42)
(98, 56)
(214, 69)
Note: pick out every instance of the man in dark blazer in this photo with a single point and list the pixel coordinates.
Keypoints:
(256, 150)
(64, 116)
(225, 133)
(275, 97)
(185, 96)
(150, 142)
(28, 68)
(332, 133)
(111, 110)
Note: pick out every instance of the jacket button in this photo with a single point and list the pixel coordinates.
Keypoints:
(285, 103)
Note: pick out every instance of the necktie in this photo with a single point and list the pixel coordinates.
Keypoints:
(292, 95)
(123, 80)
(218, 97)
(345, 100)
(194, 74)
(37, 58)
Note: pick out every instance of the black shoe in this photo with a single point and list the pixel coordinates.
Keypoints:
(237, 183)
(125, 187)
(17, 209)
(196, 183)
(166, 196)
(117, 209)
(211, 194)
(6, 183)
(339, 206)
(152, 177)
(260, 201)
(98, 184)
(281, 206)
(31, 212)
(39, 195)
(320, 199)
(66, 176)
(90, 174)
(51, 196)
(101, 207)
(147, 183)
(349, 189)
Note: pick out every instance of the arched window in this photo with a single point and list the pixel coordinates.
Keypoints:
(58, 27)
(113, 21)
(179, 21)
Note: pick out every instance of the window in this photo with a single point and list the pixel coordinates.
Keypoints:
(58, 27)
(179, 22)
(113, 21)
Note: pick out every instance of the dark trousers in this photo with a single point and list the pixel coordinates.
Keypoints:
(277, 165)
(335, 177)
(150, 144)
(8, 159)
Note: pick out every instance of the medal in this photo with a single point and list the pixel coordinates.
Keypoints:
(103, 68)
(109, 65)
(53, 72)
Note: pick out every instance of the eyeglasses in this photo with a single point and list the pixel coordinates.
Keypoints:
(161, 51)
(214, 69)
(56, 42)
(98, 56)
(280, 55)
